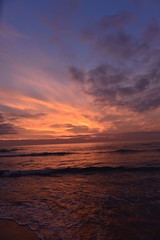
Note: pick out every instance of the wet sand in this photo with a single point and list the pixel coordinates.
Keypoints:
(10, 230)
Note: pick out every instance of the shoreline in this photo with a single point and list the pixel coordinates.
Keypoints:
(10, 230)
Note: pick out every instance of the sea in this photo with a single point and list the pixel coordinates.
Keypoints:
(83, 191)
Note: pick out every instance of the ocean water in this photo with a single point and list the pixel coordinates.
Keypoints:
(83, 191)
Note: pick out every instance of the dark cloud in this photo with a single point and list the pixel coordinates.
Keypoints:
(1, 117)
(77, 74)
(121, 46)
(17, 113)
(130, 75)
(109, 34)
(5, 127)
(27, 115)
(117, 87)
(112, 38)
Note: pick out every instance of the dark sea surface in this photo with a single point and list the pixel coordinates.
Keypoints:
(91, 191)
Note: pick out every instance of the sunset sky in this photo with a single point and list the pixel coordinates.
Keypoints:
(79, 68)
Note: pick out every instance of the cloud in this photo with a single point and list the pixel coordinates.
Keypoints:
(118, 87)
(115, 38)
(5, 127)
(77, 74)
(60, 22)
(121, 46)
(19, 113)
(118, 21)
(104, 30)
(72, 128)
(127, 75)
(29, 115)
(87, 34)
(151, 33)
(120, 78)
(66, 125)
(76, 129)
(1, 117)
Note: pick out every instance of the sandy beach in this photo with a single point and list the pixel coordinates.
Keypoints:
(10, 230)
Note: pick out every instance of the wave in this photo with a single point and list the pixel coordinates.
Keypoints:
(39, 154)
(87, 170)
(124, 150)
(5, 150)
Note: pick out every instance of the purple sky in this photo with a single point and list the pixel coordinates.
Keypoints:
(79, 69)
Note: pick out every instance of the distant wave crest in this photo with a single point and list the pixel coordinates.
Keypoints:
(87, 170)
(12, 152)
(5, 150)
(37, 154)
(125, 150)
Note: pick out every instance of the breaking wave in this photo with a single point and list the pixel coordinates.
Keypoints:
(87, 170)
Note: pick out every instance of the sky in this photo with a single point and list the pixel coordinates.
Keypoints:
(79, 69)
